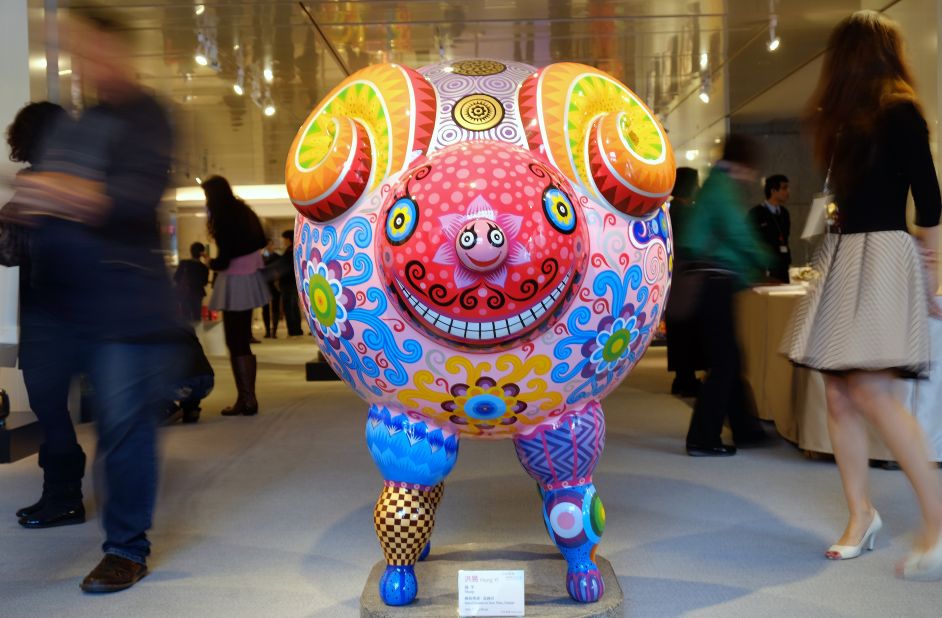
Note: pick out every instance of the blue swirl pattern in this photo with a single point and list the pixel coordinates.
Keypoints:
(350, 246)
(626, 319)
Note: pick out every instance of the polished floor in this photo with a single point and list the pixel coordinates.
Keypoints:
(272, 516)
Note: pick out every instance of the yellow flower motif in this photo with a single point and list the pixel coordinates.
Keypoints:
(485, 401)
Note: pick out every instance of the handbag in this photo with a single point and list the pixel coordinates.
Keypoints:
(822, 216)
(14, 244)
(687, 285)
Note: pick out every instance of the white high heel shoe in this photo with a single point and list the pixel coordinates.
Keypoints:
(924, 566)
(846, 552)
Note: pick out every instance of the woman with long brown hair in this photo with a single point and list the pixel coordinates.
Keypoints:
(240, 285)
(865, 323)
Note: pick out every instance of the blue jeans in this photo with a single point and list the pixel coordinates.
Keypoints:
(130, 382)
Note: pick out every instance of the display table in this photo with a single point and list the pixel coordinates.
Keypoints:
(793, 398)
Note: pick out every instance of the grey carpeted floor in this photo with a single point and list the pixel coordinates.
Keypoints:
(272, 516)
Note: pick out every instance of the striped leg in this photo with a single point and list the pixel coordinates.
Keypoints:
(561, 458)
(414, 458)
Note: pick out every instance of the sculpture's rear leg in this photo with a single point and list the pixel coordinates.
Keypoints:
(414, 458)
(562, 459)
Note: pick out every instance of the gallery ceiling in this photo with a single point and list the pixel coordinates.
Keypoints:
(222, 64)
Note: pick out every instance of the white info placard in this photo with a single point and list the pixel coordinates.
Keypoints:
(490, 593)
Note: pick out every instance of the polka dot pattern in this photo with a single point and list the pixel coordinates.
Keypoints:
(504, 185)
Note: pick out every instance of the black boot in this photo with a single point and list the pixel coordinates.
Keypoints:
(29, 510)
(61, 502)
(191, 412)
(243, 369)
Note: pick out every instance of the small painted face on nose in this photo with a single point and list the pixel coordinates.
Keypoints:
(481, 245)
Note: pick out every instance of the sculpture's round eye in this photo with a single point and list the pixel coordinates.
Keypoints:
(468, 239)
(401, 221)
(496, 237)
(559, 210)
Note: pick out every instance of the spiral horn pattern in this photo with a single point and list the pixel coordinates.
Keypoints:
(600, 135)
(361, 133)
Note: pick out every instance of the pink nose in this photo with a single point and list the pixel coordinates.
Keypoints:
(481, 245)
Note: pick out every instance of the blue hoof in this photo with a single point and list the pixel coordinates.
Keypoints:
(426, 551)
(398, 585)
(585, 586)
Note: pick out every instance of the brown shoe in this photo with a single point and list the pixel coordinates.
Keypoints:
(112, 574)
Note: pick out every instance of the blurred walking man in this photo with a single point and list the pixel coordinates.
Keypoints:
(96, 250)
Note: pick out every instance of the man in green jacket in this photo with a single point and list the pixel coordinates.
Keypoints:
(718, 238)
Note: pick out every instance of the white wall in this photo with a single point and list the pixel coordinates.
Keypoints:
(14, 76)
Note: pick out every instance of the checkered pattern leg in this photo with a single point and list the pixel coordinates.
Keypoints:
(403, 519)
(435, 495)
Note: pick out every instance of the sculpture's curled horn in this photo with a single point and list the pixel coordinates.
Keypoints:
(364, 131)
(600, 134)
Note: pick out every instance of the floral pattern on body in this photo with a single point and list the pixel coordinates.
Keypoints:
(486, 400)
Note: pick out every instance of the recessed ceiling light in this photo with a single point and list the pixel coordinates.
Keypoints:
(199, 9)
(704, 96)
(774, 44)
(269, 110)
(201, 60)
(238, 89)
(269, 76)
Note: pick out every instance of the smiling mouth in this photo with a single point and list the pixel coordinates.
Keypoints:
(483, 263)
(485, 331)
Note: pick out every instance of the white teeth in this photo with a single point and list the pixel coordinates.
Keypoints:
(485, 331)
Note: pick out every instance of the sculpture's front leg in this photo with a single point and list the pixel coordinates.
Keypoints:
(561, 459)
(414, 458)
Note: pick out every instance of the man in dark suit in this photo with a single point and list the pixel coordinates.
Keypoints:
(772, 222)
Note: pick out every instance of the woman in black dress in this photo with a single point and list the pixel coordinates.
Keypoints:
(865, 323)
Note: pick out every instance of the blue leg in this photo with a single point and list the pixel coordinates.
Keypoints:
(561, 459)
(414, 458)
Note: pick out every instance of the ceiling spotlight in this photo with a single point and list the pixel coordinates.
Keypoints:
(774, 40)
(198, 180)
(704, 61)
(201, 60)
(691, 155)
(705, 83)
(269, 110)
(269, 76)
(199, 9)
(238, 89)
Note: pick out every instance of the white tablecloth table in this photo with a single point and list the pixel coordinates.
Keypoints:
(793, 397)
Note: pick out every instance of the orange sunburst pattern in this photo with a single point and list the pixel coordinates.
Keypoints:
(380, 98)
(563, 102)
